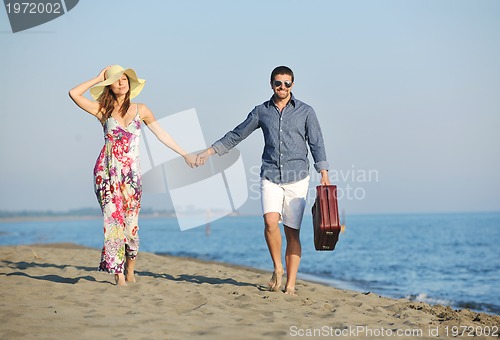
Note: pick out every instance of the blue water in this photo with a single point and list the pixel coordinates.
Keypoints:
(450, 259)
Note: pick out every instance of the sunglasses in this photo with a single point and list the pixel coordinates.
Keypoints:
(278, 83)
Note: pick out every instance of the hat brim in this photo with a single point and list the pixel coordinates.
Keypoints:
(136, 84)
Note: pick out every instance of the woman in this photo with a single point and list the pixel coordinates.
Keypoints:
(117, 174)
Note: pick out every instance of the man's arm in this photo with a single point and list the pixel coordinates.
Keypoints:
(232, 138)
(317, 147)
(325, 180)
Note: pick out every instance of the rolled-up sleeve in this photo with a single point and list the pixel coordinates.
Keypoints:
(239, 133)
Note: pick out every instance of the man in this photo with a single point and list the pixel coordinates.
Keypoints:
(289, 126)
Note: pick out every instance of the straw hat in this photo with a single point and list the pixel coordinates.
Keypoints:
(113, 74)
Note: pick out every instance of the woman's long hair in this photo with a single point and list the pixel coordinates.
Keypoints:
(107, 101)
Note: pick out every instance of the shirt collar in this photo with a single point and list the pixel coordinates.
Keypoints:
(292, 100)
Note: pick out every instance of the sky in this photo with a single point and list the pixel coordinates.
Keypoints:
(406, 92)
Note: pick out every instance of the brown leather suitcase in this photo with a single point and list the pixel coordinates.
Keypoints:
(325, 216)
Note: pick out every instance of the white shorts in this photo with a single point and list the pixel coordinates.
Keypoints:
(289, 200)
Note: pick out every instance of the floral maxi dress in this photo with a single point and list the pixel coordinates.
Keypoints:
(117, 180)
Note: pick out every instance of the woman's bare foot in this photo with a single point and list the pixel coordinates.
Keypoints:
(290, 291)
(275, 282)
(130, 277)
(120, 279)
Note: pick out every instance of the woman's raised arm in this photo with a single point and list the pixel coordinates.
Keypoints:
(76, 94)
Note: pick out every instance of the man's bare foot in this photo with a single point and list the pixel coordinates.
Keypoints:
(120, 279)
(290, 291)
(275, 282)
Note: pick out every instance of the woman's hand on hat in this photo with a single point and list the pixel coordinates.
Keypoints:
(102, 74)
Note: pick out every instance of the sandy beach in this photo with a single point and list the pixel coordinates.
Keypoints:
(54, 291)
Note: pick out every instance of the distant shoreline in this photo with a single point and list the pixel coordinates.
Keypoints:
(43, 218)
(14, 219)
(69, 215)
(76, 217)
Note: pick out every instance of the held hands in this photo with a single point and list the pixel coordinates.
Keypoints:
(190, 160)
(196, 160)
(203, 156)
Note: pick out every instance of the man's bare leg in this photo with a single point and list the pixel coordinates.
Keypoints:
(292, 258)
(273, 239)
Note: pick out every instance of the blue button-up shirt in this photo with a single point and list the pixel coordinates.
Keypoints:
(286, 136)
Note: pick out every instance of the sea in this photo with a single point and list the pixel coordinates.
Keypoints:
(449, 259)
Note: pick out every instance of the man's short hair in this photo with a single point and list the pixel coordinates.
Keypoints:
(282, 70)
